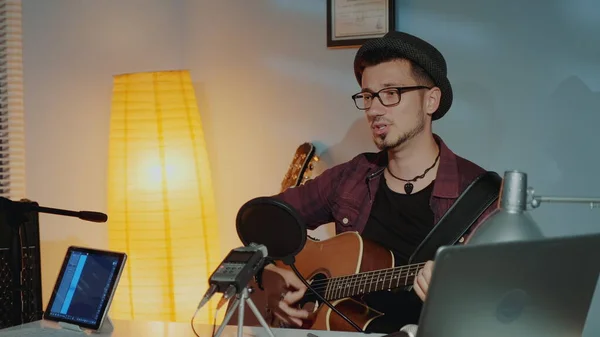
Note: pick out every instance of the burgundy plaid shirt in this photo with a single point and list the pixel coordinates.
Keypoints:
(344, 194)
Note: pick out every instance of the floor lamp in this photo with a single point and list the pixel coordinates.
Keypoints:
(160, 198)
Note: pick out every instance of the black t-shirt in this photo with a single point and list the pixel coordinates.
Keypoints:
(398, 222)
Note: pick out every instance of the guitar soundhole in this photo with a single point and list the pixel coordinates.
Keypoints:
(310, 301)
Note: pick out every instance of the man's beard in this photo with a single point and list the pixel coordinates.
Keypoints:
(387, 144)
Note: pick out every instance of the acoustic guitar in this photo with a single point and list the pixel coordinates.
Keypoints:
(341, 269)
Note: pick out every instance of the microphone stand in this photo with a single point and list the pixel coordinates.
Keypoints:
(241, 299)
(14, 214)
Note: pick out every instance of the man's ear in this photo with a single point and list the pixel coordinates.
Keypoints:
(432, 100)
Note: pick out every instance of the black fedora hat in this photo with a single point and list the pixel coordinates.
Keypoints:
(402, 45)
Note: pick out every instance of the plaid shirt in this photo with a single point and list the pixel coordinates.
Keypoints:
(344, 194)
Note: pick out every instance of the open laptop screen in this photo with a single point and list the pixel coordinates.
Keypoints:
(85, 286)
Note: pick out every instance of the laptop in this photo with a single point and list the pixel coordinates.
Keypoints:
(82, 294)
(540, 288)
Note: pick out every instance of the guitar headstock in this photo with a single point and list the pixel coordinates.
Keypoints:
(301, 167)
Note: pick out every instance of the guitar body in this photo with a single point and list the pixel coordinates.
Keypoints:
(342, 255)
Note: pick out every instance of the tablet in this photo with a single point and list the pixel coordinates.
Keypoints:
(85, 287)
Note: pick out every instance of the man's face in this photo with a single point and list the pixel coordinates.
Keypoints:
(393, 126)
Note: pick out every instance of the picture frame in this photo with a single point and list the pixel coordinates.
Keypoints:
(350, 23)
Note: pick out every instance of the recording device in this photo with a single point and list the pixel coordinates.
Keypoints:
(238, 267)
(235, 272)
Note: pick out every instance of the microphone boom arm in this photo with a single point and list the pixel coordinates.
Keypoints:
(84, 215)
(29, 206)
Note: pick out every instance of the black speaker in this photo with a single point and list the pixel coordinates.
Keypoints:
(20, 270)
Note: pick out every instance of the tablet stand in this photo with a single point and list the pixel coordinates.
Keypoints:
(107, 326)
(240, 302)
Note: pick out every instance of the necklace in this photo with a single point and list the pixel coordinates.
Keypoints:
(408, 186)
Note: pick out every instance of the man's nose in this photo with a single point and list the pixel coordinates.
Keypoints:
(376, 108)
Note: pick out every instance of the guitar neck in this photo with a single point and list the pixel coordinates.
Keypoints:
(366, 282)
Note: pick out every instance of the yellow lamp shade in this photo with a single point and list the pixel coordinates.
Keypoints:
(160, 198)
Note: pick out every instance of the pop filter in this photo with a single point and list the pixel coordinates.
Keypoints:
(273, 223)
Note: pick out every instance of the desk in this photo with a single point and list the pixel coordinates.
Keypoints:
(124, 328)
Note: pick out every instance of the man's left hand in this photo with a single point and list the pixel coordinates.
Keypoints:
(421, 284)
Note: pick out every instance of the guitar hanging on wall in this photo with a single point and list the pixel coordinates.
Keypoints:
(301, 167)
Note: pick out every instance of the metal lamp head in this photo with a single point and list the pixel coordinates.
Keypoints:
(510, 221)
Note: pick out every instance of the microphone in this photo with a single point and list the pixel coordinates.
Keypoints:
(6, 203)
(86, 215)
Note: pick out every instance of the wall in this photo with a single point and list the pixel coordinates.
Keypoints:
(527, 88)
(267, 83)
(71, 51)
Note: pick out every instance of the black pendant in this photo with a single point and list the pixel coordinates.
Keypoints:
(408, 187)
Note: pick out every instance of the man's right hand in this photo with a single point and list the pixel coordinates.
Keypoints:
(294, 291)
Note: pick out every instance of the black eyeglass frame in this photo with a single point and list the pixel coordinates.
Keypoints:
(400, 91)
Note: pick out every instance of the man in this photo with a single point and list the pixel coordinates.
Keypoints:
(393, 197)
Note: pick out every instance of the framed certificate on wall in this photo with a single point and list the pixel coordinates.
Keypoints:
(350, 23)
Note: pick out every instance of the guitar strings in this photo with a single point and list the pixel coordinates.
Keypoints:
(353, 281)
(355, 284)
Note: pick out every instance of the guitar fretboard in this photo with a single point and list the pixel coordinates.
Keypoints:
(363, 283)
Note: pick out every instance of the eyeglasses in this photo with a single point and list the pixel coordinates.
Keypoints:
(387, 96)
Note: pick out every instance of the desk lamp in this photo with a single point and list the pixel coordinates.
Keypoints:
(511, 221)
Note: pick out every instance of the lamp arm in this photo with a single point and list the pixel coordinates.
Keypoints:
(536, 200)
